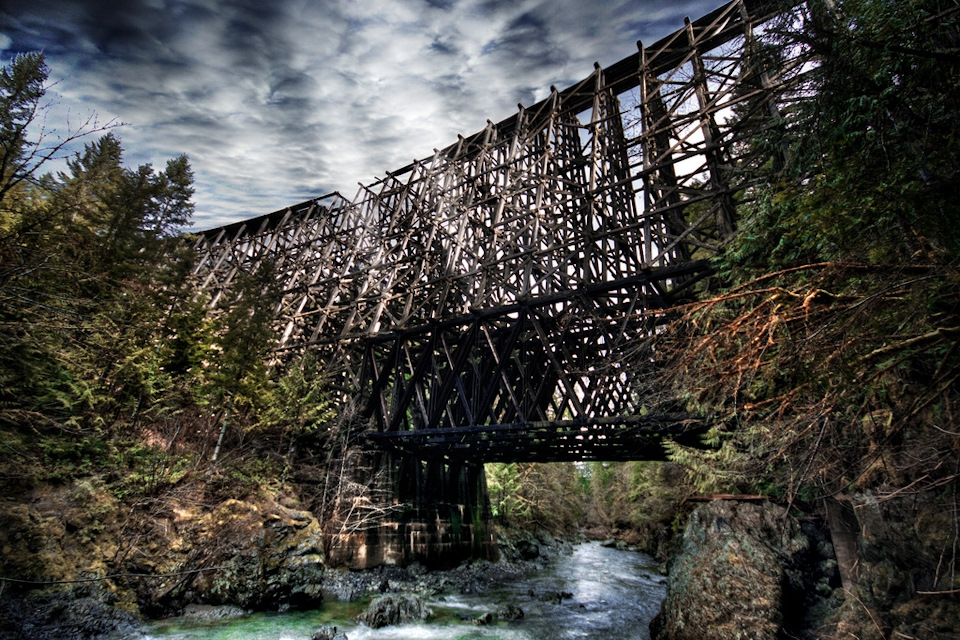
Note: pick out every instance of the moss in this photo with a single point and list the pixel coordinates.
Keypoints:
(57, 533)
(747, 570)
(930, 617)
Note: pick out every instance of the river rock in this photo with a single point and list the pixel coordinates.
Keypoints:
(261, 557)
(80, 611)
(394, 609)
(738, 564)
(484, 619)
(527, 550)
(210, 612)
(509, 612)
(328, 633)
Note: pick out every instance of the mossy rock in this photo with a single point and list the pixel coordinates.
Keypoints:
(394, 609)
(737, 564)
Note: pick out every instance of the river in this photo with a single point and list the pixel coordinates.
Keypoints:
(605, 593)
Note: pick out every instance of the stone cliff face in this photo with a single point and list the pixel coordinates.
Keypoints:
(871, 569)
(57, 533)
(900, 573)
(156, 555)
(743, 570)
(252, 554)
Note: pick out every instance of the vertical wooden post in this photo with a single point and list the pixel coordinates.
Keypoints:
(726, 213)
(660, 184)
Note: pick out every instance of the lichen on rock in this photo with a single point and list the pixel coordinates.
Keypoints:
(737, 570)
(265, 557)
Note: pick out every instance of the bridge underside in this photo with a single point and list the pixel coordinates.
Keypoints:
(570, 376)
(636, 438)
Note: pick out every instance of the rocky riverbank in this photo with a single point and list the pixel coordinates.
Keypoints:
(746, 568)
(87, 565)
(78, 562)
(754, 570)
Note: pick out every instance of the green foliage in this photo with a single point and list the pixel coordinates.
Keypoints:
(85, 284)
(140, 470)
(22, 86)
(253, 474)
(503, 487)
(244, 338)
(105, 342)
(296, 404)
(537, 495)
(823, 379)
(830, 363)
(873, 153)
(82, 296)
(637, 499)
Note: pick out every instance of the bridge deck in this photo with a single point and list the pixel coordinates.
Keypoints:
(610, 440)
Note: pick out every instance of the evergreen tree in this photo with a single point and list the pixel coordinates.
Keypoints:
(84, 276)
(873, 138)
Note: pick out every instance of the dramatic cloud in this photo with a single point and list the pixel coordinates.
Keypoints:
(277, 102)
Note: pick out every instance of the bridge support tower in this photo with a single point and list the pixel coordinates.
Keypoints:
(436, 513)
(500, 300)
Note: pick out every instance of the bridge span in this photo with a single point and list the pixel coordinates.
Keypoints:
(497, 300)
(513, 277)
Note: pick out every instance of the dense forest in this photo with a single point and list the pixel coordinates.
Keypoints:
(824, 347)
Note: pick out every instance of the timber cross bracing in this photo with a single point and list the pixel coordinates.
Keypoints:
(493, 301)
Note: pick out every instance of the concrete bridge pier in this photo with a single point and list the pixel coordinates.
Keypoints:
(434, 512)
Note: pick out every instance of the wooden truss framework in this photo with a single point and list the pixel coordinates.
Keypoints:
(490, 302)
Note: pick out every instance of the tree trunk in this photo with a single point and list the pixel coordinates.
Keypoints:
(223, 430)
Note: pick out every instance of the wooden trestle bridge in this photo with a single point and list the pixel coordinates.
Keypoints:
(495, 301)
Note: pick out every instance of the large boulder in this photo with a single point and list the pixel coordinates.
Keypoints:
(154, 558)
(394, 609)
(737, 571)
(84, 610)
(52, 533)
(328, 633)
(266, 558)
(509, 612)
(256, 556)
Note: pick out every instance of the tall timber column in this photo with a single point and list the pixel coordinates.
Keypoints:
(661, 188)
(434, 512)
(726, 212)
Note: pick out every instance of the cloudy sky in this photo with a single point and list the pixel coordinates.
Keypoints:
(279, 101)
